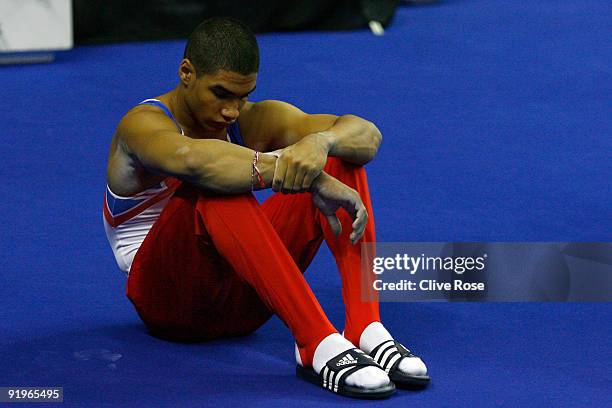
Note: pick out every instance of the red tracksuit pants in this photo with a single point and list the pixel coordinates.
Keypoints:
(219, 265)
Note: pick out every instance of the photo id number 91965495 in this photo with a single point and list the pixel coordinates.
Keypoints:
(31, 394)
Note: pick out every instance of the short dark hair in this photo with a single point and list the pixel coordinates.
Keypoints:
(223, 43)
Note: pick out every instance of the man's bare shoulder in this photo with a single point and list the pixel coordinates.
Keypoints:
(125, 174)
(143, 119)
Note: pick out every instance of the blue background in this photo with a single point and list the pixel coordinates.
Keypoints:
(496, 124)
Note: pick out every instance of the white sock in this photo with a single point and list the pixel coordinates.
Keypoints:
(334, 344)
(375, 334)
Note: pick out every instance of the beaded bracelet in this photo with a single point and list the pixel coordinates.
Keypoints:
(256, 173)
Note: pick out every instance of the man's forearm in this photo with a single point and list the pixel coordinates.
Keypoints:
(227, 168)
(352, 139)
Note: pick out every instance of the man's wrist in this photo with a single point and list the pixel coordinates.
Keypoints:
(318, 182)
(325, 139)
(267, 165)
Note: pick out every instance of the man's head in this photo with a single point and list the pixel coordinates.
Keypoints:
(222, 43)
(218, 71)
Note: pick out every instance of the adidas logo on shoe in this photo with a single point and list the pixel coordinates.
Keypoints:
(346, 360)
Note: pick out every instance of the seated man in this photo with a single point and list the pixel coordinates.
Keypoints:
(204, 259)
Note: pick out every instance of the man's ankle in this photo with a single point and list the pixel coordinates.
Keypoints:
(368, 337)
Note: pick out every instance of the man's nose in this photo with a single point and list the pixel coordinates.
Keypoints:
(230, 113)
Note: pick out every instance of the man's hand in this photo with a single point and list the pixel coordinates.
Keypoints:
(299, 164)
(329, 194)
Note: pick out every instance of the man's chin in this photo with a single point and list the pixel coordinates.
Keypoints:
(214, 131)
(217, 126)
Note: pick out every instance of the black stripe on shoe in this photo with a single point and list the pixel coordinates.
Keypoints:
(334, 373)
(388, 355)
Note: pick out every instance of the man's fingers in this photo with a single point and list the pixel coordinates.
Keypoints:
(359, 225)
(304, 178)
(289, 180)
(334, 224)
(279, 174)
(360, 218)
(299, 181)
(308, 178)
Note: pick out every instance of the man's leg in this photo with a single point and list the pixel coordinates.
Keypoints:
(205, 265)
(359, 313)
(196, 268)
(302, 228)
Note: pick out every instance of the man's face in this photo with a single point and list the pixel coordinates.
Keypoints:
(216, 99)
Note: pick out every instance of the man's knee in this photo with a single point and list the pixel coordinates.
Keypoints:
(336, 165)
(192, 193)
(353, 175)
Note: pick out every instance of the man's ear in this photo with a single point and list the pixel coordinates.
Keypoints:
(187, 72)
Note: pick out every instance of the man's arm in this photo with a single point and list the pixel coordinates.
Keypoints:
(352, 139)
(348, 137)
(307, 140)
(152, 140)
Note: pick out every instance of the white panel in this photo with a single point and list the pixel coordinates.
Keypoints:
(35, 25)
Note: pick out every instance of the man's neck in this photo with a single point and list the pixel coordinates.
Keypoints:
(176, 103)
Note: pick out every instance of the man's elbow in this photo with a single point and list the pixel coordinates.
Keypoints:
(376, 136)
(375, 139)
